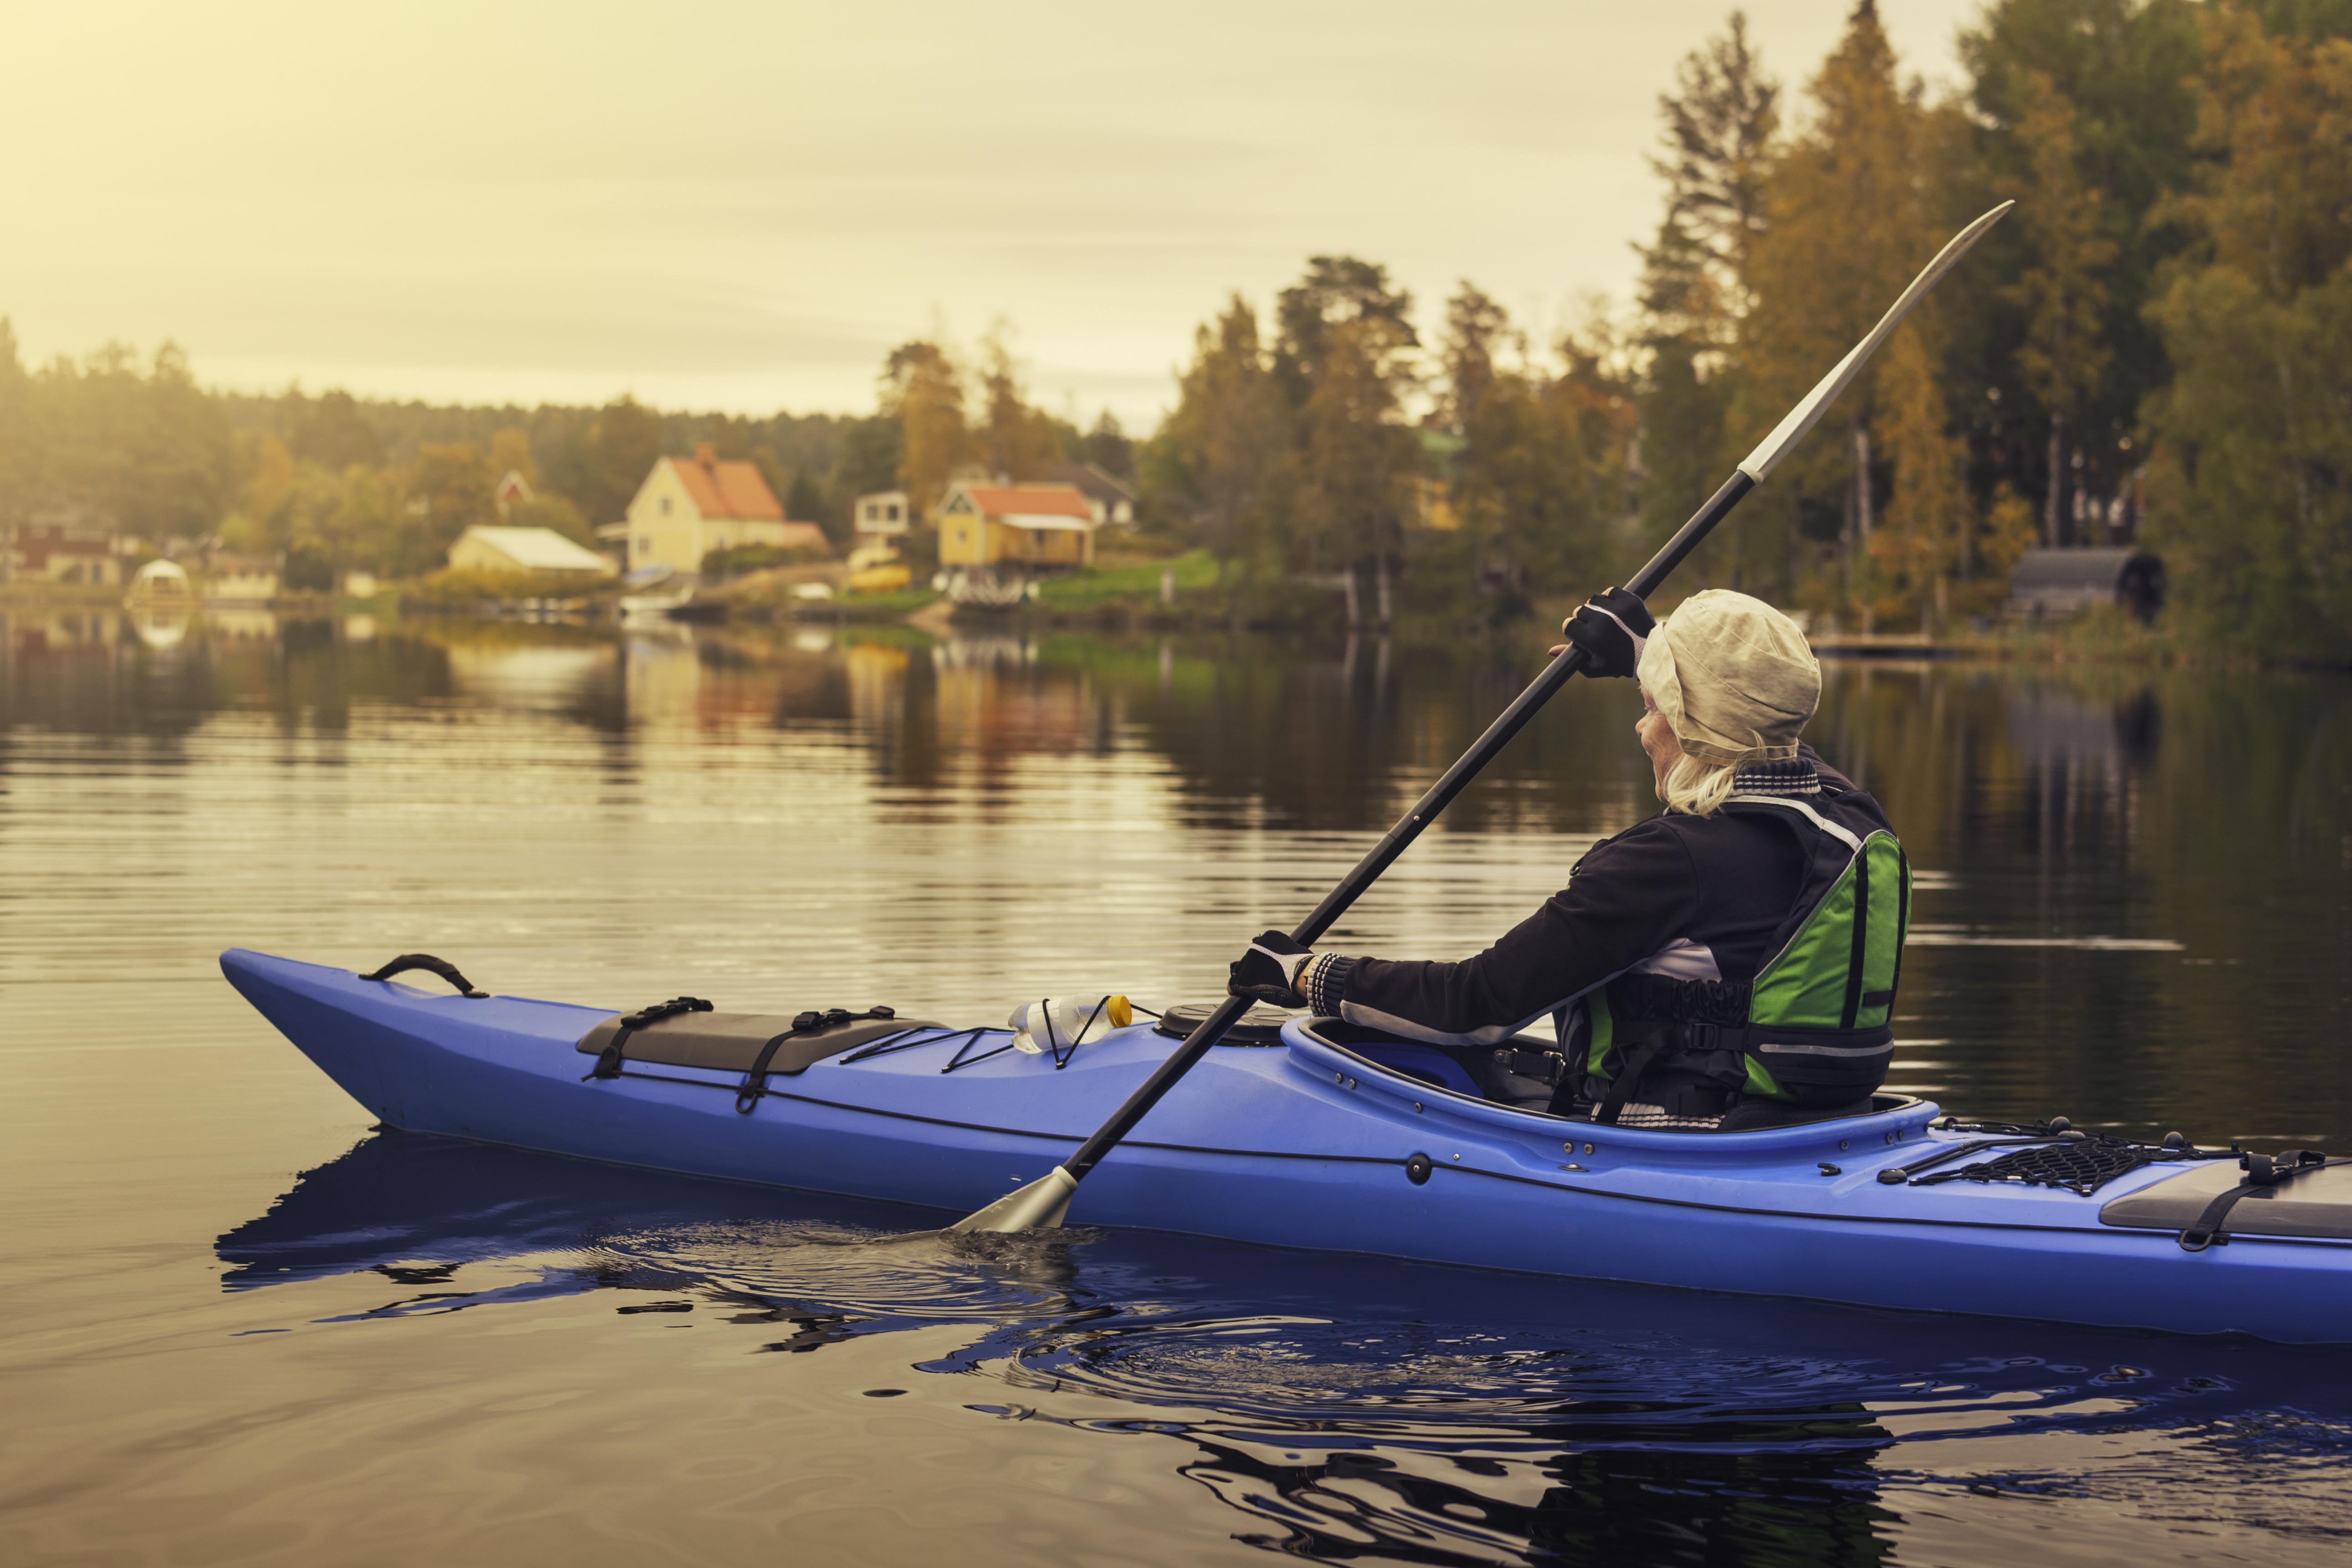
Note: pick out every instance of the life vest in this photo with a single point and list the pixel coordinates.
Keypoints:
(1813, 1029)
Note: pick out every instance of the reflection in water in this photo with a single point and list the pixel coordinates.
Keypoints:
(1352, 1409)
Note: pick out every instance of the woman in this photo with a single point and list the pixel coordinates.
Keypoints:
(1730, 963)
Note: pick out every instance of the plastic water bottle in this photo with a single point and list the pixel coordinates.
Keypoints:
(1064, 1021)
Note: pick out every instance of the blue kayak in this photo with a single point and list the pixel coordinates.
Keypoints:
(1320, 1137)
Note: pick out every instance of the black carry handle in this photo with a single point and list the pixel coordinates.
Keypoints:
(431, 965)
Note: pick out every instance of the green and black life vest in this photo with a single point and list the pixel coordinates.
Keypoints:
(1811, 1030)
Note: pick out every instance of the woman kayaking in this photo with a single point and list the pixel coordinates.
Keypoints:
(1727, 963)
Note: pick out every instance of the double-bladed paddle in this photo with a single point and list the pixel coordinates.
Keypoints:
(1043, 1201)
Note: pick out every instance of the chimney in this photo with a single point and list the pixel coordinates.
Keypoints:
(705, 454)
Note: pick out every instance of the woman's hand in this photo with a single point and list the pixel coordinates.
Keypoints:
(1268, 971)
(1611, 628)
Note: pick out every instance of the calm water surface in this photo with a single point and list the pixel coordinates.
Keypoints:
(242, 1328)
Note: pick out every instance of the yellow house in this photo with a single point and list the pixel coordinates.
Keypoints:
(689, 507)
(1025, 524)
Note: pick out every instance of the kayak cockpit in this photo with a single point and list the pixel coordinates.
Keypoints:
(1340, 1057)
(1523, 1071)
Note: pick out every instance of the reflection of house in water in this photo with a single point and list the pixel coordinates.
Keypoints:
(2084, 753)
(996, 699)
(540, 679)
(62, 631)
(240, 580)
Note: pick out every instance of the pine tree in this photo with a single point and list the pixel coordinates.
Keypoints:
(1697, 278)
(1848, 229)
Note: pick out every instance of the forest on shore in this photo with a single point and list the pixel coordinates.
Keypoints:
(2154, 348)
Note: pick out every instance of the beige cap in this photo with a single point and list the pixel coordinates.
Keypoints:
(1734, 678)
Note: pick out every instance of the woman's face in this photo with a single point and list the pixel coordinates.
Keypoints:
(1658, 742)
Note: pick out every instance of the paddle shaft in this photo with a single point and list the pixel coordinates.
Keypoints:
(1511, 720)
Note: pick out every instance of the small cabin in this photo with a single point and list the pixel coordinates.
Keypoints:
(2049, 583)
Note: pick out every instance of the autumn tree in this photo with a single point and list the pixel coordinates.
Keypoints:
(1848, 227)
(923, 391)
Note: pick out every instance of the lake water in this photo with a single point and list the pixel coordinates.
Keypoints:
(242, 1328)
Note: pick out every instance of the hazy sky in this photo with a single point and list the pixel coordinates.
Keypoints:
(742, 207)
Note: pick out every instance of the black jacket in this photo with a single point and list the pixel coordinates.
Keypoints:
(1695, 897)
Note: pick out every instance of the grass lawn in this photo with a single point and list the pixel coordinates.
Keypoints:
(1095, 586)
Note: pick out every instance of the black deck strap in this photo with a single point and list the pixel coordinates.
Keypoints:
(1861, 937)
(755, 1081)
(2261, 1171)
(1896, 1175)
(431, 965)
(1621, 1088)
(608, 1060)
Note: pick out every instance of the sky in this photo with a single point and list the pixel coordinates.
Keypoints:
(741, 207)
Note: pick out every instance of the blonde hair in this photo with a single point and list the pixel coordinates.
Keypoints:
(1694, 787)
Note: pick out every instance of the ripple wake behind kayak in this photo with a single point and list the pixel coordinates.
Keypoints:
(841, 1269)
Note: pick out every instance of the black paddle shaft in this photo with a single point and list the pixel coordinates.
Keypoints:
(1392, 844)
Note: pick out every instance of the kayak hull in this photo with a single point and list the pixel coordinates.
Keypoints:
(1307, 1145)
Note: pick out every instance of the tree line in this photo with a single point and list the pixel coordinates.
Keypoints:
(133, 446)
(2150, 350)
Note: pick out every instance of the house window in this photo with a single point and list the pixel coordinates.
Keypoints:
(665, 506)
(960, 536)
(1039, 534)
(644, 544)
(894, 512)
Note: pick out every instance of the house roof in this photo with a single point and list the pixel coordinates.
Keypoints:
(726, 489)
(1008, 501)
(538, 549)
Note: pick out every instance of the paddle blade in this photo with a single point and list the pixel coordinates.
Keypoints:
(1759, 463)
(1040, 1205)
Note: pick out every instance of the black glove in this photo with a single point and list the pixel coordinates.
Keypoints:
(1611, 629)
(1268, 971)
